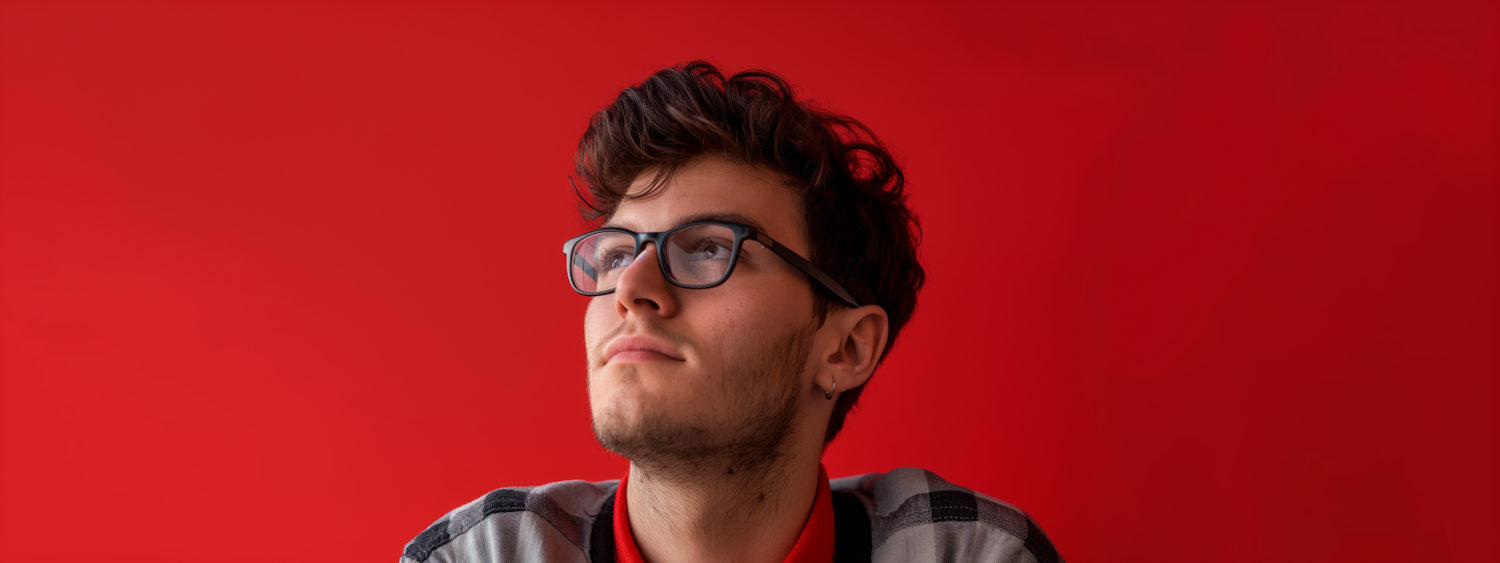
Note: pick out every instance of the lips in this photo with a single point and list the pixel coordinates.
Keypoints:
(640, 349)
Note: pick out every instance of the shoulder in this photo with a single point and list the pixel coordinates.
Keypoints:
(553, 522)
(915, 515)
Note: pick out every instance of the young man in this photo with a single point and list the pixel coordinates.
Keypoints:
(755, 263)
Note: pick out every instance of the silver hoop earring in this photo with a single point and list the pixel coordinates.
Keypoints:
(828, 394)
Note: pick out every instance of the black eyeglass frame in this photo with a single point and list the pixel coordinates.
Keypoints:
(741, 231)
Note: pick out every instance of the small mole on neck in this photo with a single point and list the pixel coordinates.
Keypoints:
(731, 471)
(761, 498)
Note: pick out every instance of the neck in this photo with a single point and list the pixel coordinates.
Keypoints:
(718, 513)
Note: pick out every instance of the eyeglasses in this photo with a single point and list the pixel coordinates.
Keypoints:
(696, 255)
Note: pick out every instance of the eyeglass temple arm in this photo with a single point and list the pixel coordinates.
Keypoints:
(807, 267)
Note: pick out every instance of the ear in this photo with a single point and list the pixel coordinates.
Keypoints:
(861, 334)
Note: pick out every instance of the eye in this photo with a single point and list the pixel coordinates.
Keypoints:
(613, 259)
(700, 254)
(711, 249)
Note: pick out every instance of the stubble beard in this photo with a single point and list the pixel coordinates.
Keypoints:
(763, 386)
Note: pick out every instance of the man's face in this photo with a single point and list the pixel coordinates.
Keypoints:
(683, 374)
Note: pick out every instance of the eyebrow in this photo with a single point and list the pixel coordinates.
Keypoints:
(728, 217)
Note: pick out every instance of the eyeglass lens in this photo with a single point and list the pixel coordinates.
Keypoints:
(695, 255)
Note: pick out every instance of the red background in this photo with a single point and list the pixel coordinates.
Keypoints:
(1207, 282)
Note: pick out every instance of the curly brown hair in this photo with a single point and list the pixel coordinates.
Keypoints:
(858, 226)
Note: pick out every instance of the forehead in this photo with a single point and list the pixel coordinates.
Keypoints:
(715, 188)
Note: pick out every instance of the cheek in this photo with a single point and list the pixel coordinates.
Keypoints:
(741, 322)
(598, 318)
(600, 390)
(777, 302)
(596, 324)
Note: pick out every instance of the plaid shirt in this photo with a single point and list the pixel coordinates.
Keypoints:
(907, 515)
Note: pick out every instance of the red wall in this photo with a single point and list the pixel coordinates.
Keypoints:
(1207, 282)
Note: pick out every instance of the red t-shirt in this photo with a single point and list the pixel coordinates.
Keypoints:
(814, 545)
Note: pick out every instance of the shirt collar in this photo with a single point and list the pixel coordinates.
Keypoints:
(814, 545)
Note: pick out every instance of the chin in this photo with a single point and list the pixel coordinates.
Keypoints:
(638, 425)
(619, 424)
(618, 400)
(634, 382)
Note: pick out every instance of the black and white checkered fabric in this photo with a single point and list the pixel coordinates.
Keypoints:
(906, 515)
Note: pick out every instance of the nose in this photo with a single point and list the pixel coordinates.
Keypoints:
(643, 290)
